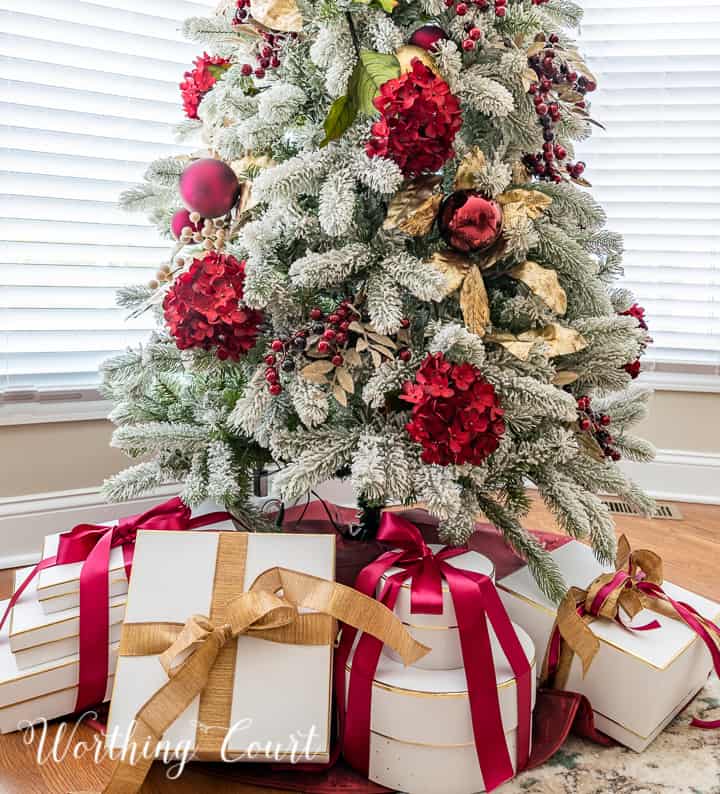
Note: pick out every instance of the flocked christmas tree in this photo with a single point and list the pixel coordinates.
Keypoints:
(387, 267)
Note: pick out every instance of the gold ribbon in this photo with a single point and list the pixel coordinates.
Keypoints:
(576, 636)
(199, 656)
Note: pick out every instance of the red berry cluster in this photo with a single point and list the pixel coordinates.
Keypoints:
(545, 164)
(456, 414)
(590, 421)
(638, 312)
(474, 37)
(461, 8)
(268, 52)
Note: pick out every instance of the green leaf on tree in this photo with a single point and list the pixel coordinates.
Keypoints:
(373, 69)
(342, 114)
(386, 5)
(217, 70)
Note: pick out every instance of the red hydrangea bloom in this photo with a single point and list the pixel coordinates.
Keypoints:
(456, 415)
(200, 80)
(638, 313)
(203, 308)
(420, 118)
(633, 368)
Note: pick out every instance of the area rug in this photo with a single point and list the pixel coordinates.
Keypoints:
(682, 760)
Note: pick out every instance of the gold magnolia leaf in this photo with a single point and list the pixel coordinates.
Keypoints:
(414, 207)
(344, 378)
(408, 52)
(559, 341)
(494, 254)
(520, 174)
(568, 95)
(317, 371)
(543, 282)
(361, 344)
(382, 339)
(357, 327)
(529, 76)
(340, 395)
(352, 357)
(474, 302)
(244, 199)
(533, 202)
(472, 164)
(590, 445)
(565, 377)
(578, 180)
(453, 266)
(282, 15)
(562, 341)
(535, 48)
(376, 358)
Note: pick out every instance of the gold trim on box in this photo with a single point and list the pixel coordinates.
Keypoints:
(422, 694)
(237, 753)
(445, 588)
(12, 633)
(67, 593)
(605, 641)
(684, 701)
(428, 628)
(62, 639)
(76, 579)
(422, 744)
(111, 678)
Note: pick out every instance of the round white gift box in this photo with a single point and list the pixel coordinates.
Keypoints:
(422, 739)
(438, 632)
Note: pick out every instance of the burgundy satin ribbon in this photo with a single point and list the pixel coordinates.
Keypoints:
(91, 545)
(476, 601)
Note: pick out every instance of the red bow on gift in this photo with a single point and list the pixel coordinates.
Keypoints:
(91, 545)
(476, 601)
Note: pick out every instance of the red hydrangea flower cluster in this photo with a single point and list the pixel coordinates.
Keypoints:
(200, 80)
(420, 118)
(203, 307)
(638, 313)
(456, 415)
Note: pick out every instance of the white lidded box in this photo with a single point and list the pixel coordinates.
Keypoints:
(279, 694)
(438, 632)
(46, 690)
(639, 680)
(58, 587)
(421, 735)
(36, 637)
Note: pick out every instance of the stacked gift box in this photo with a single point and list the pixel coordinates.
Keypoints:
(40, 639)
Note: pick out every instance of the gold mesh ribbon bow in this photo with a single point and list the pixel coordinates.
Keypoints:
(604, 598)
(197, 663)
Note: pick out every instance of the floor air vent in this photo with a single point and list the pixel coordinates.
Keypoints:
(663, 509)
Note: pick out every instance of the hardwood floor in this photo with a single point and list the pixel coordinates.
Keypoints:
(690, 549)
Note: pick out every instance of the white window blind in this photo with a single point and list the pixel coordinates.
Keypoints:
(88, 97)
(657, 168)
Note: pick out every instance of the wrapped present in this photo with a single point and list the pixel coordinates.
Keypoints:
(88, 549)
(36, 638)
(58, 585)
(421, 730)
(439, 631)
(637, 648)
(499, 747)
(214, 660)
(42, 691)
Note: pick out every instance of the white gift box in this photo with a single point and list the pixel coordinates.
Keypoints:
(59, 586)
(639, 680)
(36, 637)
(421, 735)
(438, 632)
(281, 692)
(43, 691)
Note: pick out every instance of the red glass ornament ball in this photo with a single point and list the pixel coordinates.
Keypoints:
(180, 220)
(209, 187)
(468, 221)
(427, 36)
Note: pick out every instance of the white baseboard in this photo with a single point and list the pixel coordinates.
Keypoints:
(678, 476)
(25, 520)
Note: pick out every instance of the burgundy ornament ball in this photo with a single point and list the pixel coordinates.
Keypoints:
(209, 187)
(180, 220)
(468, 221)
(427, 36)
